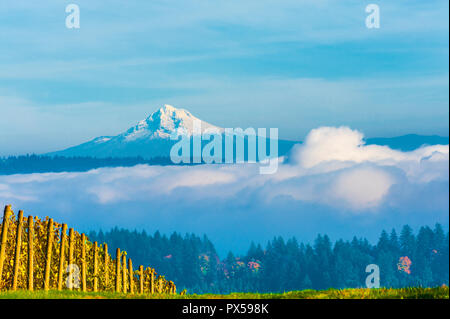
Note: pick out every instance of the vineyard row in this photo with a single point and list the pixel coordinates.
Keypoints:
(38, 254)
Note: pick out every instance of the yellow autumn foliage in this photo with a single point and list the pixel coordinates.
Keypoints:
(106, 263)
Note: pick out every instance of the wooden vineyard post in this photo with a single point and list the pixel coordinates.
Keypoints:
(17, 252)
(105, 249)
(48, 255)
(118, 270)
(71, 249)
(95, 266)
(160, 285)
(130, 275)
(62, 255)
(5, 225)
(124, 273)
(152, 281)
(83, 262)
(141, 279)
(30, 253)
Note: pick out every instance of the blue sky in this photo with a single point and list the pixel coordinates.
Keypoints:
(291, 64)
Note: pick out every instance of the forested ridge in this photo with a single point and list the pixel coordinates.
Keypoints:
(405, 259)
(26, 164)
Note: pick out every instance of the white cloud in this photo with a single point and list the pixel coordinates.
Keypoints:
(198, 177)
(7, 193)
(328, 144)
(362, 188)
(106, 194)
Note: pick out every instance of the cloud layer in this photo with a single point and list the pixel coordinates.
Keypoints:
(331, 182)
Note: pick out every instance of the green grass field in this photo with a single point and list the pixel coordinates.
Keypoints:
(382, 293)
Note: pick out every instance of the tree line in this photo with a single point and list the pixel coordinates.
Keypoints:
(192, 262)
(25, 164)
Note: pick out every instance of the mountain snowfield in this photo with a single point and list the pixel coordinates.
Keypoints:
(163, 123)
(149, 138)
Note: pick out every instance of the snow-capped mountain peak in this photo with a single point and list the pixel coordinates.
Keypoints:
(165, 121)
(148, 138)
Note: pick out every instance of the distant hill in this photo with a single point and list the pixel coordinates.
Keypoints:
(408, 142)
